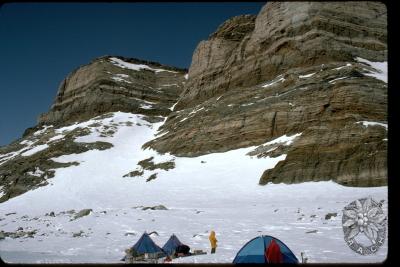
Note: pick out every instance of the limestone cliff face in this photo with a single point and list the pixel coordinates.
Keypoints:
(94, 91)
(298, 67)
(116, 84)
(284, 35)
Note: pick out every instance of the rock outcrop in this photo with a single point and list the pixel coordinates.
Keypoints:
(116, 84)
(107, 84)
(285, 35)
(297, 68)
(28, 163)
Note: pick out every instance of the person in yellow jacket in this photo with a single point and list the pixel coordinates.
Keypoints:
(213, 242)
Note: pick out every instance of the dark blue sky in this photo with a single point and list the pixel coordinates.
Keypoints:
(40, 43)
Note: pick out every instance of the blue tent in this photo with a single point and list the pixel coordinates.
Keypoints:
(146, 245)
(254, 251)
(172, 243)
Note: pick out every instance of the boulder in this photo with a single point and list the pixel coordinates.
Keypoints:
(82, 213)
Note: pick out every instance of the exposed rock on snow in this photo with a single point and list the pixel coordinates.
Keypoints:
(18, 234)
(133, 174)
(81, 214)
(78, 234)
(158, 207)
(330, 215)
(151, 177)
(148, 164)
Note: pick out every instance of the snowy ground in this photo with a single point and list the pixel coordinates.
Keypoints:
(218, 192)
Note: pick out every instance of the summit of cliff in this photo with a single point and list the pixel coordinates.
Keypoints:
(114, 83)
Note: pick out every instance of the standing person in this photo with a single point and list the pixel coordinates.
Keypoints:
(213, 242)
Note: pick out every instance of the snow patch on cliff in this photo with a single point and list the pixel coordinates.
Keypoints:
(126, 65)
(379, 69)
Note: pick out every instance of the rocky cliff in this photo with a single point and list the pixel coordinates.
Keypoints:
(116, 84)
(84, 99)
(245, 51)
(310, 68)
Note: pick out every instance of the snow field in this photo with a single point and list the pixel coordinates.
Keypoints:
(217, 191)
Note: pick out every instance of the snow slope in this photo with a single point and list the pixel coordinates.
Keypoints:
(217, 191)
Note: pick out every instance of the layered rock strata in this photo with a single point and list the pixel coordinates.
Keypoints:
(116, 84)
(299, 67)
(285, 35)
